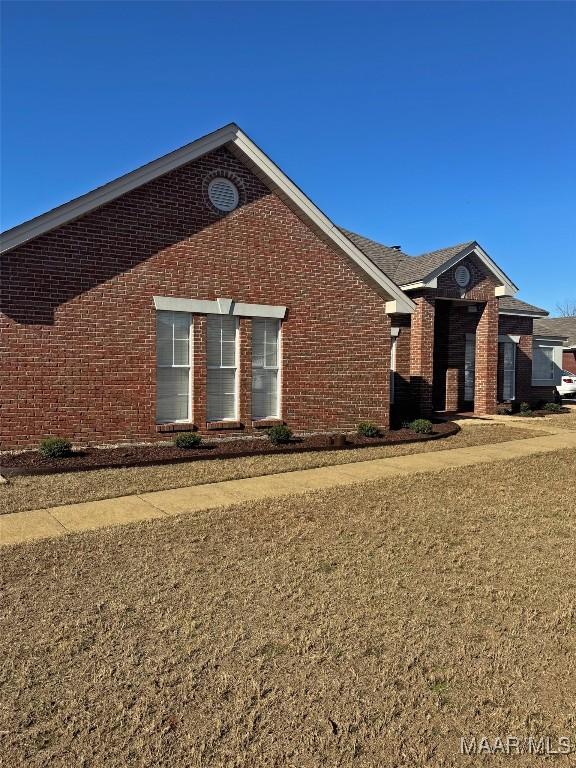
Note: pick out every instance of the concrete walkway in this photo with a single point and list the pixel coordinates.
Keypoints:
(21, 527)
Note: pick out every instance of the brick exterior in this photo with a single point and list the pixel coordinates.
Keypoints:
(77, 319)
(569, 360)
(78, 324)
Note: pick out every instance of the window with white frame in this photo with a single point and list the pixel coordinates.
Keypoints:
(393, 369)
(265, 368)
(222, 368)
(543, 363)
(173, 366)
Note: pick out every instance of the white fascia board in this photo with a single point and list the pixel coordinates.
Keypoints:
(420, 284)
(519, 314)
(509, 337)
(113, 189)
(281, 182)
(218, 307)
(228, 134)
(549, 341)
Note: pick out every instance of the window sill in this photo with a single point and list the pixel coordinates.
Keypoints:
(267, 423)
(176, 426)
(224, 425)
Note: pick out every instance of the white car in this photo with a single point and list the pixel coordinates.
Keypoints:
(567, 386)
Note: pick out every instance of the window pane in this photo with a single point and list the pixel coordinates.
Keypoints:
(264, 394)
(543, 363)
(181, 325)
(258, 336)
(181, 352)
(172, 394)
(221, 394)
(164, 325)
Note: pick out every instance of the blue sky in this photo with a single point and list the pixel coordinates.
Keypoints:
(419, 124)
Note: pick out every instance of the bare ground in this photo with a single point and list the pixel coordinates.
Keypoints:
(38, 492)
(370, 626)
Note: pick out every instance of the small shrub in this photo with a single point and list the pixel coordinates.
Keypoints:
(55, 447)
(279, 434)
(367, 429)
(187, 440)
(424, 426)
(505, 409)
(525, 408)
(553, 408)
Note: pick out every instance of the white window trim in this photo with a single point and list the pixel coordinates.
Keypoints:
(394, 341)
(557, 348)
(190, 365)
(236, 367)
(279, 369)
(219, 307)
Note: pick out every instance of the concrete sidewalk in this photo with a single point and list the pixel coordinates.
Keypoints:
(59, 521)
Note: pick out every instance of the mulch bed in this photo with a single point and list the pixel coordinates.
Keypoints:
(33, 463)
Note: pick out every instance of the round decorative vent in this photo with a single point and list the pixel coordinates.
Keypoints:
(223, 194)
(462, 276)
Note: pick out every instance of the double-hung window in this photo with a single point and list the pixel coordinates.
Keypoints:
(173, 366)
(222, 368)
(543, 363)
(265, 368)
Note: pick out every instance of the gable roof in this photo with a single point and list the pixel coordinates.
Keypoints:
(558, 326)
(508, 305)
(417, 271)
(244, 148)
(419, 267)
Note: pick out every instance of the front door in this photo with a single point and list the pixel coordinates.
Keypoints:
(469, 368)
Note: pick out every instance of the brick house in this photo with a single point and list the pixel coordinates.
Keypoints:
(205, 290)
(564, 328)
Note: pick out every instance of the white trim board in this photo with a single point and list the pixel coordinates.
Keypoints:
(218, 307)
(241, 145)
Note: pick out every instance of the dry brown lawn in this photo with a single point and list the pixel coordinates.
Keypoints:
(370, 626)
(51, 490)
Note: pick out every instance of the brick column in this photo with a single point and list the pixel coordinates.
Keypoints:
(486, 373)
(245, 372)
(199, 371)
(422, 354)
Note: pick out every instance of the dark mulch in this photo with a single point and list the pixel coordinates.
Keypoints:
(32, 462)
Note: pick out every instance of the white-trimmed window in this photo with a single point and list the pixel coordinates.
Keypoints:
(393, 343)
(265, 368)
(222, 368)
(546, 362)
(508, 357)
(173, 366)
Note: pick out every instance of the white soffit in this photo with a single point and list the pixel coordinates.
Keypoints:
(238, 142)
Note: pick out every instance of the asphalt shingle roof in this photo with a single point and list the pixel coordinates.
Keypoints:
(561, 326)
(512, 305)
(401, 267)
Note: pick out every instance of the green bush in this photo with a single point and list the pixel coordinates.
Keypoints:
(55, 447)
(187, 440)
(367, 429)
(279, 434)
(525, 408)
(424, 426)
(504, 409)
(553, 408)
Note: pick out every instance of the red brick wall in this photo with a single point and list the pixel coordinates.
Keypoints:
(77, 325)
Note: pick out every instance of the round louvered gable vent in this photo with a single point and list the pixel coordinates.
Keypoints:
(462, 276)
(223, 194)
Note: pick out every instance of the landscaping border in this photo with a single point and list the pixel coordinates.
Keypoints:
(447, 430)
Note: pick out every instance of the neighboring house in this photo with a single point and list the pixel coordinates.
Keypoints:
(205, 290)
(565, 328)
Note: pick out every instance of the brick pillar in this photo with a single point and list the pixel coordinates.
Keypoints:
(199, 371)
(422, 354)
(245, 372)
(486, 373)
